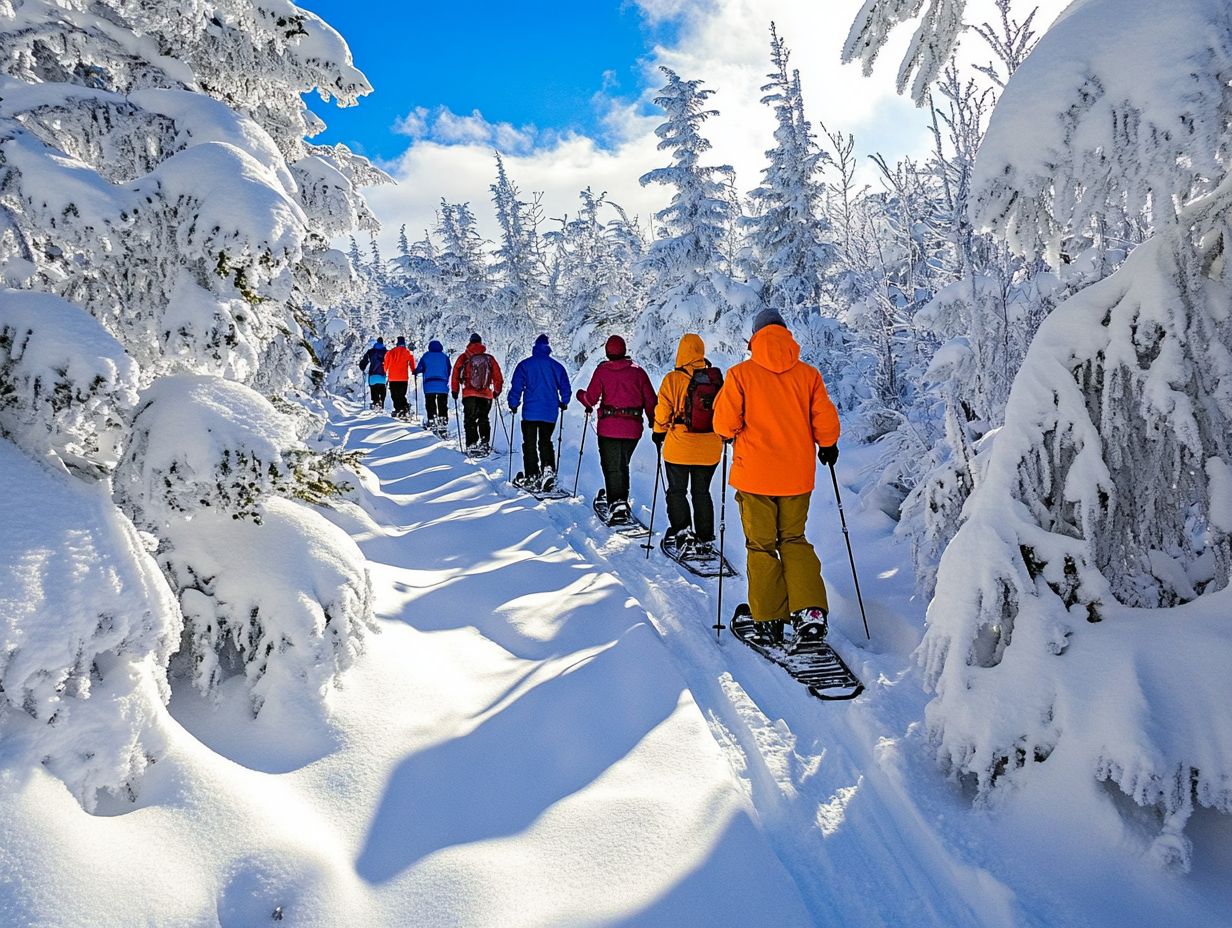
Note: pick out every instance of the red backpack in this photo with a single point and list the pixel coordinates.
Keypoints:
(698, 412)
(479, 372)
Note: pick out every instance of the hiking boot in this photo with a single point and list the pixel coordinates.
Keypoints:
(686, 544)
(619, 512)
(809, 624)
(705, 550)
(767, 634)
(548, 480)
(520, 481)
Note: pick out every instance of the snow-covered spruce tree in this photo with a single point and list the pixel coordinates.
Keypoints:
(155, 184)
(598, 290)
(689, 292)
(464, 283)
(517, 308)
(1094, 562)
(789, 251)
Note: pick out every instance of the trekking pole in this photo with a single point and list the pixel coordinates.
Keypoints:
(513, 428)
(581, 445)
(654, 499)
(718, 618)
(560, 438)
(458, 422)
(846, 537)
(415, 411)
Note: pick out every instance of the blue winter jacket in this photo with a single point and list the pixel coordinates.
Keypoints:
(434, 367)
(540, 380)
(374, 363)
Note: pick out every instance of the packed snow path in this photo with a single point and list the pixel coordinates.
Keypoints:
(546, 733)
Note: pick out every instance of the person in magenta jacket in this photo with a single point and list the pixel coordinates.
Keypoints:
(623, 394)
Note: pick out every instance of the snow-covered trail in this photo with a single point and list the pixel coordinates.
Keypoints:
(846, 794)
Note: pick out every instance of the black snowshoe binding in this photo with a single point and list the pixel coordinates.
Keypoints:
(619, 516)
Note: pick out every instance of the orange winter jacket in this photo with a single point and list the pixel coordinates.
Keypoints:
(399, 362)
(777, 409)
(682, 446)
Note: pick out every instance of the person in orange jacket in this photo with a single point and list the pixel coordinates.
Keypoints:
(776, 411)
(399, 363)
(479, 377)
(691, 449)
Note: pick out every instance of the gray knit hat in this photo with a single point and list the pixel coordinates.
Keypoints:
(767, 317)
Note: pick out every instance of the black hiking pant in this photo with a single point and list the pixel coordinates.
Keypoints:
(438, 408)
(537, 450)
(397, 393)
(680, 477)
(614, 457)
(378, 394)
(477, 419)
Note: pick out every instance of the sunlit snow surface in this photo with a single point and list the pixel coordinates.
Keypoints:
(546, 733)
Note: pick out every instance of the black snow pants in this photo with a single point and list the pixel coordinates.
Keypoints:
(537, 450)
(680, 477)
(477, 420)
(614, 457)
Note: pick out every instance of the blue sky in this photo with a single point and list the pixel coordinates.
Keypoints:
(537, 62)
(563, 91)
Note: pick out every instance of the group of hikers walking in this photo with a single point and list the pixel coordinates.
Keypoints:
(773, 411)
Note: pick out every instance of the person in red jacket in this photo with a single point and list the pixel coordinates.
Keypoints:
(479, 377)
(624, 394)
(399, 363)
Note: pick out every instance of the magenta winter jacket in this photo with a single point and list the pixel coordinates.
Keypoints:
(621, 393)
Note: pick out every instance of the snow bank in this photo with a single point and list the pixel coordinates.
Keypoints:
(87, 625)
(1096, 494)
(286, 602)
(202, 442)
(66, 386)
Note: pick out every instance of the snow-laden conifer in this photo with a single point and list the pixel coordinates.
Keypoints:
(1104, 500)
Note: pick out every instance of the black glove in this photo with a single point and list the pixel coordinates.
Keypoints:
(728, 441)
(658, 438)
(828, 455)
(455, 394)
(513, 410)
(563, 406)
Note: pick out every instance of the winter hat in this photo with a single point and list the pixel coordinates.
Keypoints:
(475, 339)
(541, 340)
(767, 317)
(615, 348)
(402, 340)
(379, 340)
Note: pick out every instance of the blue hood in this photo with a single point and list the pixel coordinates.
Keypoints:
(434, 345)
(542, 350)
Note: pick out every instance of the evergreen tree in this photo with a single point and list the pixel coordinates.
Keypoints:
(787, 233)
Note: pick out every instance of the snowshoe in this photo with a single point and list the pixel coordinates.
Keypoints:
(631, 527)
(810, 661)
(703, 558)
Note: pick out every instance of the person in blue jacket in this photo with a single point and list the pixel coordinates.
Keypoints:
(373, 364)
(434, 367)
(541, 388)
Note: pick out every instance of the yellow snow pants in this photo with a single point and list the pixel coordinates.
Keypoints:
(784, 572)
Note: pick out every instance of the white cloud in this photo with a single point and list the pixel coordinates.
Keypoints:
(723, 42)
(414, 123)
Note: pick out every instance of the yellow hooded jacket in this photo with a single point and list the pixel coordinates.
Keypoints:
(681, 445)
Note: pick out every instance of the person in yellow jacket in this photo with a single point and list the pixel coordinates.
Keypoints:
(690, 448)
(776, 410)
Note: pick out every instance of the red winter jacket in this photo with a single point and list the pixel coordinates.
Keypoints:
(623, 393)
(498, 379)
